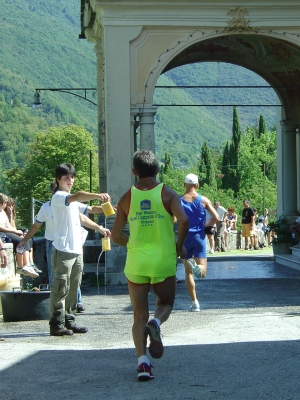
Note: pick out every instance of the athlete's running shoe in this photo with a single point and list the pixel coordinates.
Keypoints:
(156, 348)
(195, 308)
(144, 372)
(195, 268)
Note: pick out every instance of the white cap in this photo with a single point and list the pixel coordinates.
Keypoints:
(191, 179)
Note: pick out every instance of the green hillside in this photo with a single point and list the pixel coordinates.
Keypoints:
(40, 49)
(182, 130)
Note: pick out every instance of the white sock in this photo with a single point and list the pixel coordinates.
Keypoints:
(143, 359)
(157, 321)
(195, 302)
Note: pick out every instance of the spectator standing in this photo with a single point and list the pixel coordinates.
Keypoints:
(210, 232)
(66, 258)
(45, 216)
(219, 238)
(149, 208)
(248, 224)
(195, 261)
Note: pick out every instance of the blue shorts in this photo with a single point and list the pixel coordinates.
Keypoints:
(195, 245)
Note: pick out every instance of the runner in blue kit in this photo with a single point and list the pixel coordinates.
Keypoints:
(195, 261)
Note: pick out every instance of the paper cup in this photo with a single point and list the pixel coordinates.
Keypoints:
(107, 209)
(105, 243)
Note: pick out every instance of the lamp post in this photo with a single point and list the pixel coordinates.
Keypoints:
(37, 96)
(37, 104)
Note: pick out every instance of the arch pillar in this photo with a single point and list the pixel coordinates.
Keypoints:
(102, 159)
(287, 166)
(147, 128)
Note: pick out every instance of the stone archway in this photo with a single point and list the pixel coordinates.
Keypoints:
(136, 42)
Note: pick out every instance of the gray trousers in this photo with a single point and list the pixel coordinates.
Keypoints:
(67, 275)
(219, 238)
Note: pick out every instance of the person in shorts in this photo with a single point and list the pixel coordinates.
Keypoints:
(248, 224)
(149, 208)
(195, 261)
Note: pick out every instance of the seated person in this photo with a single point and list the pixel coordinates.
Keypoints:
(259, 229)
(230, 221)
(256, 232)
(295, 228)
(3, 255)
(10, 211)
(15, 235)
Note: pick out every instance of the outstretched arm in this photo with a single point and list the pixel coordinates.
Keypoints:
(31, 232)
(117, 234)
(88, 223)
(87, 196)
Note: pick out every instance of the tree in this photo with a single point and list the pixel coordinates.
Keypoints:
(206, 167)
(231, 177)
(168, 163)
(262, 127)
(72, 144)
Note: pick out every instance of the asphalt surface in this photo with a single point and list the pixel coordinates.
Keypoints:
(244, 343)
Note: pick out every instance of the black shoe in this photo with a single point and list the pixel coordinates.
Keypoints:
(80, 308)
(77, 329)
(60, 330)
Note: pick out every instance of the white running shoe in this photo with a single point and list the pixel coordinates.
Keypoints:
(211, 251)
(195, 308)
(28, 271)
(194, 267)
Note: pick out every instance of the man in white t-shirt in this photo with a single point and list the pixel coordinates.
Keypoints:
(219, 238)
(45, 216)
(67, 259)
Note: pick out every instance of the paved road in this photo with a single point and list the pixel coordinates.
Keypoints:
(244, 344)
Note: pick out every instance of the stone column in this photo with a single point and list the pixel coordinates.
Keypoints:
(287, 169)
(147, 128)
(102, 158)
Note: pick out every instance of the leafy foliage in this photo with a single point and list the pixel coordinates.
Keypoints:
(72, 144)
(282, 231)
(257, 162)
(206, 168)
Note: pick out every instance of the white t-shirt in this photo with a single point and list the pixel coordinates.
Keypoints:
(45, 216)
(4, 219)
(67, 236)
(221, 211)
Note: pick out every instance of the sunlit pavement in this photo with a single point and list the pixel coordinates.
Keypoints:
(243, 344)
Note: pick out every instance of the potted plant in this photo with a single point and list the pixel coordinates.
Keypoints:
(281, 236)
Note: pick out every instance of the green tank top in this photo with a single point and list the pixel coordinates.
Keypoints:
(151, 246)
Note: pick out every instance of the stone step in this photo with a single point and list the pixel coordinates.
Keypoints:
(296, 251)
(289, 260)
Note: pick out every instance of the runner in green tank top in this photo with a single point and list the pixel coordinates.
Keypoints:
(149, 208)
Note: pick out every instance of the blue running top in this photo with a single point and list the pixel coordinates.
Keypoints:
(196, 213)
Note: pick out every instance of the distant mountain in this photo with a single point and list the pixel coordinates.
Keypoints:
(40, 49)
(182, 130)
